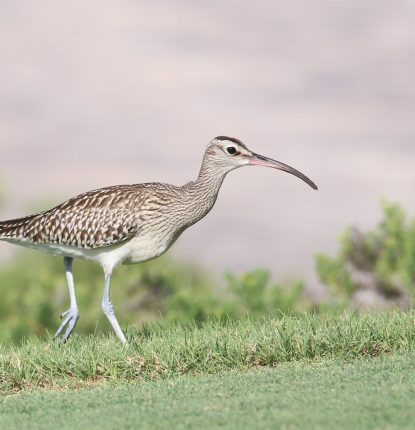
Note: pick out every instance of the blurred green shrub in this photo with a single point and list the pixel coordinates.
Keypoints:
(381, 261)
(254, 294)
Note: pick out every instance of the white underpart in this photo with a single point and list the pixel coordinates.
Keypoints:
(135, 250)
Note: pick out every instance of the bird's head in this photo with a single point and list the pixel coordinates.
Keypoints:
(229, 153)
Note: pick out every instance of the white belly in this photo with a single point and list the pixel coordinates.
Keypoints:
(136, 250)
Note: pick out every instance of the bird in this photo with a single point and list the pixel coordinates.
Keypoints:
(127, 224)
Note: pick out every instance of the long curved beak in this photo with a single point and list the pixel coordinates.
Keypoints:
(259, 160)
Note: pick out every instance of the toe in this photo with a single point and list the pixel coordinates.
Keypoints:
(69, 330)
(71, 316)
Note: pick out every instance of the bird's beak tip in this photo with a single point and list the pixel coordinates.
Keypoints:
(260, 160)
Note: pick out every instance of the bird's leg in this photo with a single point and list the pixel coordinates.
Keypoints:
(108, 309)
(71, 316)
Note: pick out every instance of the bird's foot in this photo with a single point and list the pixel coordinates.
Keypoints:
(70, 317)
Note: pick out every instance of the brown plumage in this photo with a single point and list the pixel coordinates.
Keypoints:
(95, 219)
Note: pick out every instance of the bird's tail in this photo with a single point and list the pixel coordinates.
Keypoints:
(12, 229)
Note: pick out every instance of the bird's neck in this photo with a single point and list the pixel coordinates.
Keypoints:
(210, 180)
(202, 192)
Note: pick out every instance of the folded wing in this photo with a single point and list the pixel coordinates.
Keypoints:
(94, 219)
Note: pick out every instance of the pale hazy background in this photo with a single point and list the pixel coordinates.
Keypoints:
(109, 92)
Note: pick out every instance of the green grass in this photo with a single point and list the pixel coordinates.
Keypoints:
(368, 393)
(164, 351)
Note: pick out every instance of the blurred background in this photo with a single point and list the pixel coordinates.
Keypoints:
(100, 93)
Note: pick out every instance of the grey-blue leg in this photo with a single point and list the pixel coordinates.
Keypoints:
(108, 309)
(71, 316)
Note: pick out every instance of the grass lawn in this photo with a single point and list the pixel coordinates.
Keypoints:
(347, 371)
(370, 393)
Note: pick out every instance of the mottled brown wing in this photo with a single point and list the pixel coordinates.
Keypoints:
(95, 219)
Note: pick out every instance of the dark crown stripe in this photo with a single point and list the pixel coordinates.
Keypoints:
(231, 139)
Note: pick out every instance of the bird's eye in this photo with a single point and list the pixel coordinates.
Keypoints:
(231, 150)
